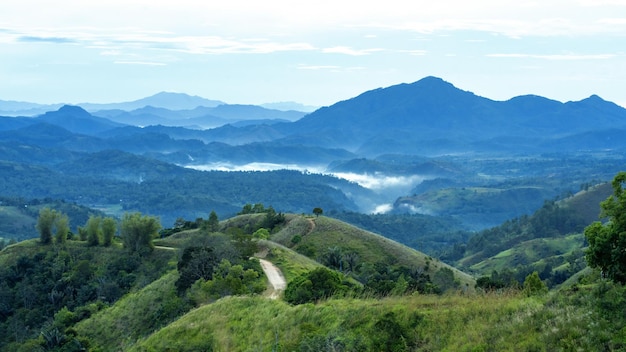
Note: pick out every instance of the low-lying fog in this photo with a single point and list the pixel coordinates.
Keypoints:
(386, 187)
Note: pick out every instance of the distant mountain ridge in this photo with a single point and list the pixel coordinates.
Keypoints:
(167, 100)
(164, 100)
(431, 112)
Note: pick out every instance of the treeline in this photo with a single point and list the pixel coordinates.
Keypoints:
(20, 215)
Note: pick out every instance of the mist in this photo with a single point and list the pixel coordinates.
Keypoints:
(386, 188)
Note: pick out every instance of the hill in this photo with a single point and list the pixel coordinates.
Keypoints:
(354, 251)
(549, 241)
(156, 315)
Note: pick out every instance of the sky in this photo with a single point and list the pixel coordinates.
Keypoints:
(311, 52)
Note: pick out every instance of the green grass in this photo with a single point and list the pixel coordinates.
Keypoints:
(134, 316)
(370, 247)
(289, 262)
(531, 252)
(453, 323)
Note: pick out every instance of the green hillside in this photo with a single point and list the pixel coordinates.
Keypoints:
(319, 237)
(550, 241)
(389, 297)
(568, 320)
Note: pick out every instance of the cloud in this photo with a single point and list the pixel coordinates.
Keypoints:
(54, 40)
(331, 68)
(348, 51)
(318, 67)
(382, 208)
(126, 39)
(415, 52)
(143, 63)
(556, 57)
(379, 182)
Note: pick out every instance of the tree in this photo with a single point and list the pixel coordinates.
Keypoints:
(50, 220)
(137, 232)
(109, 226)
(62, 224)
(533, 285)
(318, 211)
(45, 222)
(93, 230)
(213, 224)
(195, 263)
(607, 242)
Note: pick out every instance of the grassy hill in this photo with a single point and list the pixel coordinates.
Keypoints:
(374, 315)
(550, 241)
(317, 236)
(567, 320)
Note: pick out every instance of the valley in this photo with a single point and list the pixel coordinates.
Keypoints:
(414, 217)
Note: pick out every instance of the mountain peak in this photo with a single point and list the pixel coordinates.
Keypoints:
(67, 110)
(73, 110)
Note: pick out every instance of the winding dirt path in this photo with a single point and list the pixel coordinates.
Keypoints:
(275, 277)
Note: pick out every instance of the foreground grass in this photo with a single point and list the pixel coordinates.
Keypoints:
(423, 322)
(134, 316)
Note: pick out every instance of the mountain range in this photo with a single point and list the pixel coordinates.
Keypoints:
(428, 117)
(408, 143)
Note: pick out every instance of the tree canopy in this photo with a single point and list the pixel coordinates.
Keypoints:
(607, 242)
(137, 232)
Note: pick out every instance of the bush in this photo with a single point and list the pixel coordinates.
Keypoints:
(314, 285)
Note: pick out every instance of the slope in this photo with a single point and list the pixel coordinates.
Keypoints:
(324, 239)
(550, 241)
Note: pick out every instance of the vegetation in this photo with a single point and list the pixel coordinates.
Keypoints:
(51, 287)
(607, 243)
(550, 241)
(352, 290)
(138, 231)
(588, 317)
(314, 285)
(427, 234)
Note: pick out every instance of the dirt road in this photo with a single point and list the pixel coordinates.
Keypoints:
(275, 277)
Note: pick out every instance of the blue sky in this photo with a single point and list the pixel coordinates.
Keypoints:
(314, 52)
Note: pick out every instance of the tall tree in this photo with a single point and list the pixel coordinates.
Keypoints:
(62, 224)
(213, 224)
(607, 242)
(45, 223)
(93, 230)
(109, 226)
(137, 232)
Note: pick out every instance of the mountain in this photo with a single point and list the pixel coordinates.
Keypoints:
(77, 120)
(167, 100)
(20, 108)
(201, 117)
(433, 116)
